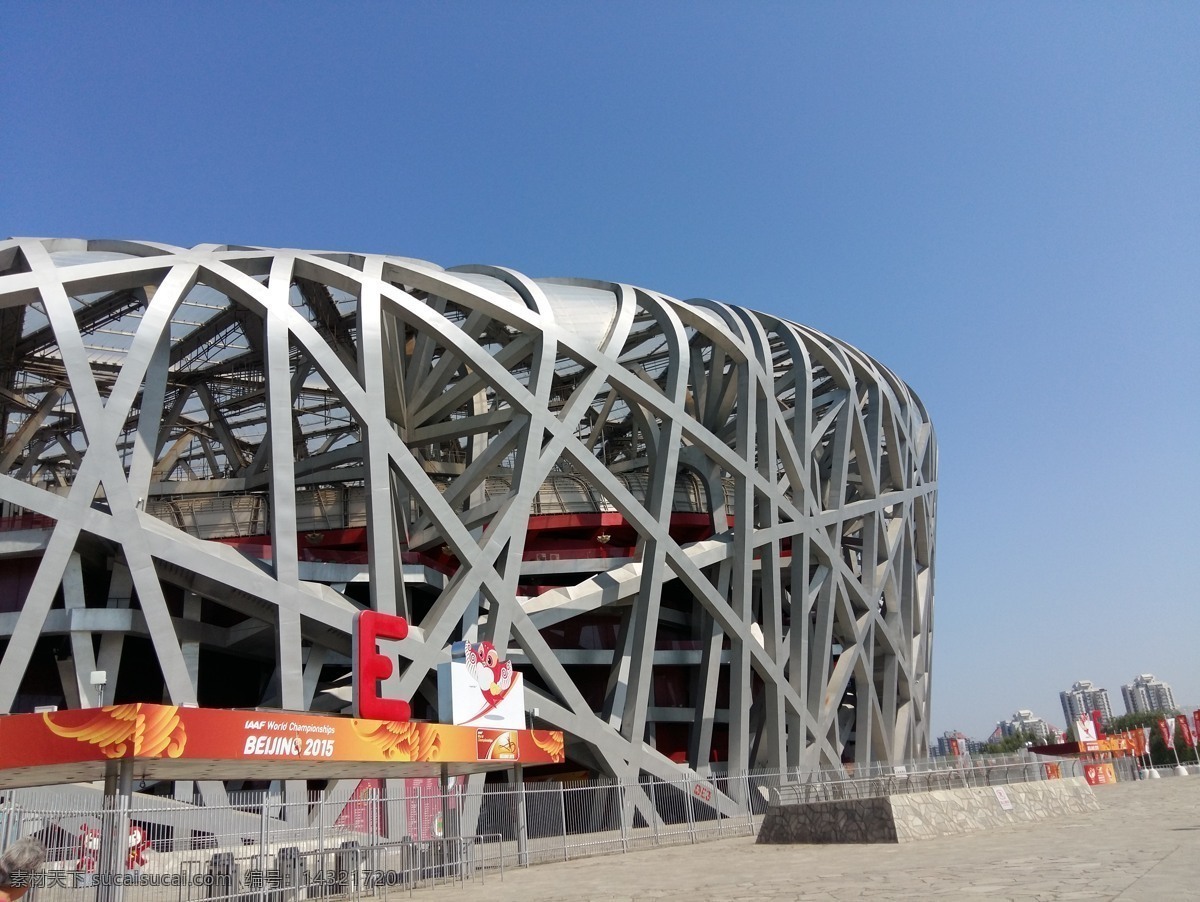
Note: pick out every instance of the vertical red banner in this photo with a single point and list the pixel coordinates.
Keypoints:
(365, 811)
(1185, 730)
(1167, 733)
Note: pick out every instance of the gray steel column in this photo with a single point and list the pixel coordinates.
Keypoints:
(522, 818)
(283, 496)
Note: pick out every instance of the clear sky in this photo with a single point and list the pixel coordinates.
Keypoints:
(999, 201)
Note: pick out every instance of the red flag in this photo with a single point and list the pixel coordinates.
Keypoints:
(1098, 720)
(1185, 730)
(1168, 734)
(1196, 723)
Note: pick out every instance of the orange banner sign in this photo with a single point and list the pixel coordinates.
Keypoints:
(146, 731)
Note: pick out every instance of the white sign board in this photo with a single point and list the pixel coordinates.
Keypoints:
(1087, 729)
(478, 689)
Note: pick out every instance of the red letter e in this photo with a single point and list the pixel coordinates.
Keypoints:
(370, 666)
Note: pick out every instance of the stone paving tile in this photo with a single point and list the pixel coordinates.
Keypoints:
(1143, 844)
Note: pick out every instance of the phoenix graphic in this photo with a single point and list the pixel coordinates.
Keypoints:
(399, 740)
(132, 730)
(550, 742)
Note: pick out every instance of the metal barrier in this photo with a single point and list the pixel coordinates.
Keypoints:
(902, 781)
(261, 848)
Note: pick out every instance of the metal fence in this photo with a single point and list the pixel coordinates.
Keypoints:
(899, 780)
(261, 848)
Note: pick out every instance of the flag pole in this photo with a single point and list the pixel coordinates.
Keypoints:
(1150, 769)
(1167, 725)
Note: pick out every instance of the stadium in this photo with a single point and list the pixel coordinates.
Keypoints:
(704, 535)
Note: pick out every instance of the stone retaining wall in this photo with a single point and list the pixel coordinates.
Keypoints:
(842, 821)
(921, 815)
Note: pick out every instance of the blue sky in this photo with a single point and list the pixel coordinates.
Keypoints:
(999, 201)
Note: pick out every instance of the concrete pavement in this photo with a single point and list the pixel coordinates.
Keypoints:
(1143, 844)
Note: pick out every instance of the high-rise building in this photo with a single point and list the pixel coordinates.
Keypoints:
(1146, 693)
(1084, 698)
(1024, 721)
(955, 743)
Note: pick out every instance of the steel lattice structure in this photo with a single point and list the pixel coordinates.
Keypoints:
(701, 532)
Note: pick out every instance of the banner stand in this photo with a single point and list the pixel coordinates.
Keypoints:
(1167, 729)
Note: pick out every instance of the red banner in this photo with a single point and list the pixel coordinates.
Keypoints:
(422, 809)
(1185, 730)
(1168, 734)
(364, 810)
(1196, 723)
(423, 800)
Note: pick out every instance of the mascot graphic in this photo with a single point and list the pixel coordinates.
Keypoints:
(495, 677)
(476, 669)
(89, 848)
(138, 845)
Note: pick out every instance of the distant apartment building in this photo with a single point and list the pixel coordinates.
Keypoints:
(1146, 693)
(1084, 698)
(1024, 721)
(953, 743)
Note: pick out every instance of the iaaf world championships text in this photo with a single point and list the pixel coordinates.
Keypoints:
(253, 879)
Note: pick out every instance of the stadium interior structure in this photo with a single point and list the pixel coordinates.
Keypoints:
(704, 535)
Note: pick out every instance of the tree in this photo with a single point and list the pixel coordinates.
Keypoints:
(1012, 743)
(1141, 719)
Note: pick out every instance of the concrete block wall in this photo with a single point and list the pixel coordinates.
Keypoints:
(946, 812)
(922, 815)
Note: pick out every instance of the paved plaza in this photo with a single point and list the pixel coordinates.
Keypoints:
(1144, 844)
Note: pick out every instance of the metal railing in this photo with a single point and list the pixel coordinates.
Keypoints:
(260, 847)
(902, 780)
